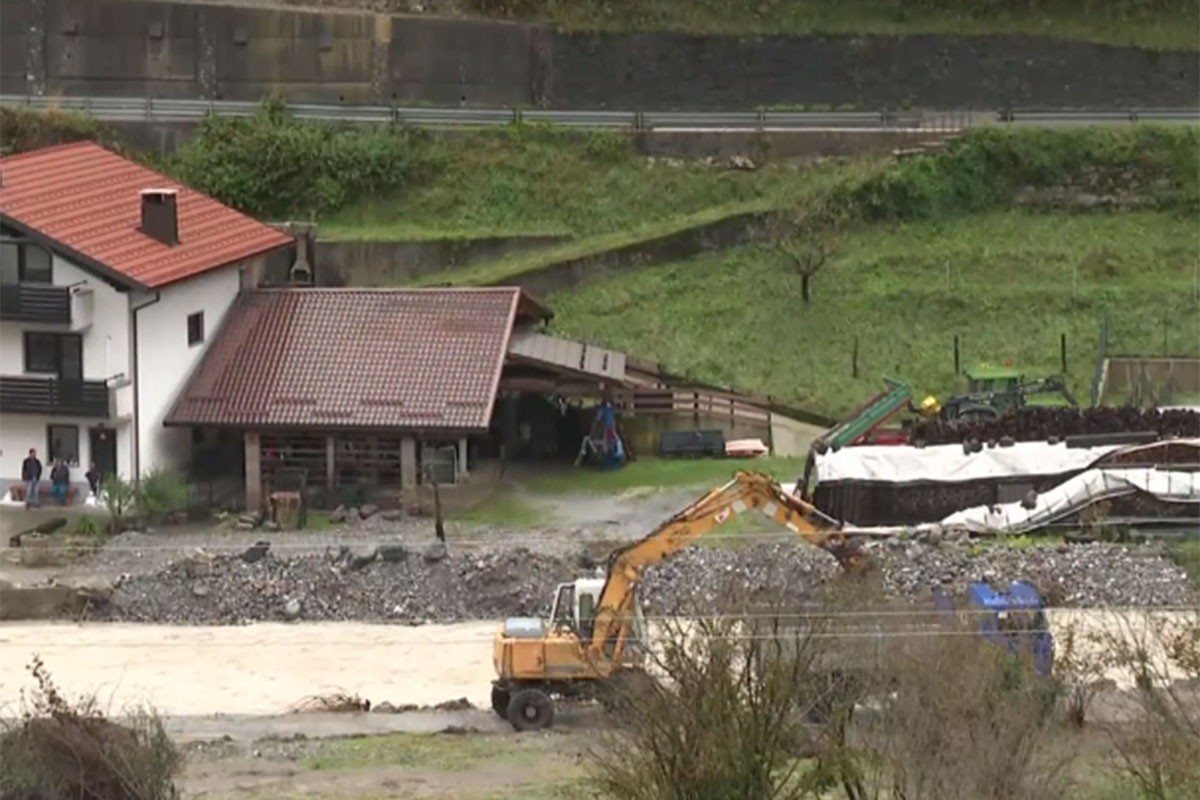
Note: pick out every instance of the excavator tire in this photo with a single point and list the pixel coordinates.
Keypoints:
(500, 698)
(531, 710)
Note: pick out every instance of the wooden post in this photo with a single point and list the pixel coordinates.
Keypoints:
(854, 360)
(408, 462)
(330, 469)
(254, 498)
(957, 370)
(1062, 352)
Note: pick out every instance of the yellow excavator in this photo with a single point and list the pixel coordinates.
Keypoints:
(593, 638)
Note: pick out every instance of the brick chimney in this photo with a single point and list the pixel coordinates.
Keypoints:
(160, 219)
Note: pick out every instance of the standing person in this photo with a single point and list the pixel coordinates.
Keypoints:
(31, 475)
(93, 479)
(60, 481)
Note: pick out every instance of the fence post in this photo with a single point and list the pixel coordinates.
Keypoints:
(1062, 352)
(957, 371)
(854, 360)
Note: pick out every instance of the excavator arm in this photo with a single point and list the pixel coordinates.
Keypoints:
(747, 490)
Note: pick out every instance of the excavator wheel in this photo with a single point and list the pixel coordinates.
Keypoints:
(531, 710)
(500, 698)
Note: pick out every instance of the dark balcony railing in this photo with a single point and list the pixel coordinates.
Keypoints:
(35, 302)
(41, 396)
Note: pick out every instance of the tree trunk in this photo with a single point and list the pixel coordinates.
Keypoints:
(804, 287)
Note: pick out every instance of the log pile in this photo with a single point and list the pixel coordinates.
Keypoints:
(1032, 424)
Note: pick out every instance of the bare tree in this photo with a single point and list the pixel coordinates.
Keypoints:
(724, 717)
(806, 259)
(804, 249)
(1158, 745)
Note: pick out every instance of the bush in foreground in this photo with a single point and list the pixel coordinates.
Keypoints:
(59, 749)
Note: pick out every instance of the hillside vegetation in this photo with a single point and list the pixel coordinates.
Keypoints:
(1007, 283)
(1160, 24)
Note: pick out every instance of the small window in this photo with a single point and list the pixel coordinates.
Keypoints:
(63, 442)
(41, 352)
(195, 324)
(35, 267)
(10, 262)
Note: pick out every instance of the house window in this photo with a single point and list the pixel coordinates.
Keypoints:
(55, 354)
(63, 442)
(24, 262)
(195, 323)
(41, 352)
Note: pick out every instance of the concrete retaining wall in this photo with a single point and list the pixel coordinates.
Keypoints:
(167, 49)
(375, 263)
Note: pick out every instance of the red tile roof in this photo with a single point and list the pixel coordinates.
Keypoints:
(85, 200)
(409, 359)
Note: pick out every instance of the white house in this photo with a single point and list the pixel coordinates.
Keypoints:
(113, 279)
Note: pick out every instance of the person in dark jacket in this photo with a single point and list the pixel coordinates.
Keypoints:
(60, 481)
(31, 474)
(93, 479)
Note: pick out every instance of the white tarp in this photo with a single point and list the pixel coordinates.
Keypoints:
(948, 463)
(1069, 497)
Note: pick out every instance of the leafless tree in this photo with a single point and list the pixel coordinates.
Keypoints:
(806, 259)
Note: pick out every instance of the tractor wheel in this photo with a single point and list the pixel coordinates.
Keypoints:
(531, 710)
(500, 698)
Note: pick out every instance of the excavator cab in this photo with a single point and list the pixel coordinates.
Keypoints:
(575, 606)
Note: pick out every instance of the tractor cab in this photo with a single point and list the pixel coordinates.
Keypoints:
(1015, 620)
(984, 379)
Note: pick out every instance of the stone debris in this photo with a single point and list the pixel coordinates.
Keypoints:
(382, 584)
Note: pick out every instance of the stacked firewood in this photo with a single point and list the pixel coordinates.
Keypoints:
(1039, 424)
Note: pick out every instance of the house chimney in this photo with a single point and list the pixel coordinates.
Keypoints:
(159, 218)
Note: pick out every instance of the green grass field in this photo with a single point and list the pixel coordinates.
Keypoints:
(1112, 22)
(1008, 283)
(537, 180)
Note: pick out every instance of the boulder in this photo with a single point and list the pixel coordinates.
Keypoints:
(361, 559)
(436, 552)
(292, 609)
(392, 552)
(256, 552)
(339, 515)
(368, 510)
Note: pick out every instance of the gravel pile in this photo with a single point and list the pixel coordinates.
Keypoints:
(365, 583)
(389, 583)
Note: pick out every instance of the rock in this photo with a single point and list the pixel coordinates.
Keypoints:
(461, 704)
(363, 559)
(741, 162)
(436, 552)
(257, 552)
(292, 609)
(384, 708)
(270, 525)
(251, 518)
(393, 515)
(198, 565)
(200, 590)
(244, 526)
(392, 553)
(339, 515)
(368, 511)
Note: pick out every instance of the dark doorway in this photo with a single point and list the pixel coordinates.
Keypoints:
(104, 450)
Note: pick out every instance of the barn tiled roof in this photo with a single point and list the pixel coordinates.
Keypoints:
(397, 359)
(86, 201)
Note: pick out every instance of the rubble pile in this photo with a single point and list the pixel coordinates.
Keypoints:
(385, 582)
(1034, 423)
(389, 583)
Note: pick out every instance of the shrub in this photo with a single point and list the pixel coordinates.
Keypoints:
(162, 492)
(118, 496)
(87, 525)
(987, 166)
(273, 165)
(23, 129)
(62, 749)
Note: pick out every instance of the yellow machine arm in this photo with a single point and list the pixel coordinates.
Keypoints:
(746, 490)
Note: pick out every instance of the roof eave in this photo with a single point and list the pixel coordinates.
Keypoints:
(117, 279)
(228, 263)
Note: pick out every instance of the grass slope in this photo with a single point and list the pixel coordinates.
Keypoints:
(540, 180)
(1160, 25)
(1008, 283)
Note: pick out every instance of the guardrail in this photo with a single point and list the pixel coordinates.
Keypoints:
(134, 109)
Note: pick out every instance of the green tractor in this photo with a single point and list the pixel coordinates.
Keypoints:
(993, 391)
